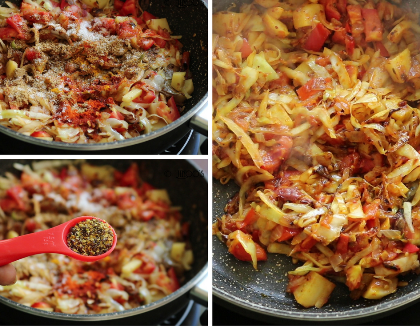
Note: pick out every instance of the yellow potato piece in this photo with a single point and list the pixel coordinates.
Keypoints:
(274, 27)
(177, 251)
(315, 291)
(11, 66)
(378, 288)
(399, 66)
(178, 79)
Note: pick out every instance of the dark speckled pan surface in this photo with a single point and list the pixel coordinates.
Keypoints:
(263, 291)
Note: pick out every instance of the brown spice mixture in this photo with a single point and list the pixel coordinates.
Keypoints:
(91, 237)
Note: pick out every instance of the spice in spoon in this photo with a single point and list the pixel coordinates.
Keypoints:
(90, 237)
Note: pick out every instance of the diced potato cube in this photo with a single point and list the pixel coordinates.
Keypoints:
(188, 86)
(378, 288)
(178, 79)
(155, 24)
(275, 12)
(131, 266)
(11, 66)
(12, 234)
(177, 251)
(131, 95)
(304, 16)
(315, 291)
(274, 27)
(354, 277)
(187, 259)
(158, 195)
(227, 23)
(399, 66)
(255, 24)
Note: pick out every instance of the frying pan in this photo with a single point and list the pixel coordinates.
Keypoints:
(237, 284)
(262, 294)
(194, 38)
(189, 193)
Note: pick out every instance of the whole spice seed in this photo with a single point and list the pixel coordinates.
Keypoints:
(90, 237)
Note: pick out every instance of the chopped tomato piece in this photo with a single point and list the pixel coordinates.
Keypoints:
(373, 25)
(331, 10)
(410, 248)
(31, 225)
(117, 115)
(307, 244)
(246, 49)
(169, 112)
(317, 38)
(40, 134)
(250, 218)
(371, 210)
(161, 43)
(118, 4)
(63, 4)
(126, 29)
(17, 23)
(41, 305)
(239, 252)
(16, 193)
(147, 16)
(146, 44)
(32, 54)
(366, 165)
(129, 8)
(146, 97)
(288, 233)
(313, 86)
(147, 266)
(126, 201)
(8, 34)
(32, 14)
(130, 178)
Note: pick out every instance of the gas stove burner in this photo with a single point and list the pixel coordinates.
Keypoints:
(188, 145)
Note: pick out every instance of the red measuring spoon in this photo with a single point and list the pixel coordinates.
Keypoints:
(48, 241)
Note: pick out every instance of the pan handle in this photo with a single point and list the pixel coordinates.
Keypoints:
(200, 121)
(200, 292)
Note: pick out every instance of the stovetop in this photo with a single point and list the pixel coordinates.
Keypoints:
(225, 314)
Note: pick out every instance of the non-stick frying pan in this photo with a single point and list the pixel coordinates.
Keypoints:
(187, 188)
(186, 18)
(263, 292)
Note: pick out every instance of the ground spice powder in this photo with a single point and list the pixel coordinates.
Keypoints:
(90, 237)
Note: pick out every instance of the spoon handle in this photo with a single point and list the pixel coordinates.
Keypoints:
(48, 241)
